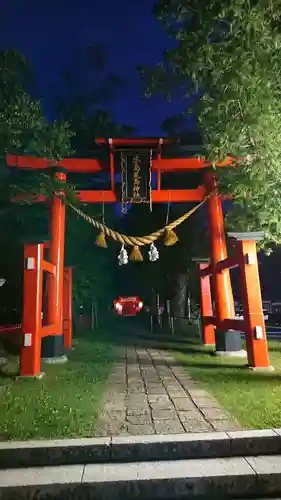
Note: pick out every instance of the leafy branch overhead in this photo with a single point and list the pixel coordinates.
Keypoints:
(23, 127)
(227, 64)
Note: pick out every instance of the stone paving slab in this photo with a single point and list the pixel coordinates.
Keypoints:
(147, 394)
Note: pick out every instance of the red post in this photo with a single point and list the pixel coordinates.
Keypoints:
(32, 309)
(56, 257)
(67, 307)
(52, 347)
(255, 330)
(222, 284)
(206, 308)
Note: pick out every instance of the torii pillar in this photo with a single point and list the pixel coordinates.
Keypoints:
(53, 346)
(227, 342)
(208, 329)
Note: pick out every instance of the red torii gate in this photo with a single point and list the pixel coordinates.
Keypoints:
(160, 164)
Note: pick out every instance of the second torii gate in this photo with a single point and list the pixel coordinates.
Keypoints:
(163, 156)
(252, 324)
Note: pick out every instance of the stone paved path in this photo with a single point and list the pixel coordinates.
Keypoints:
(148, 394)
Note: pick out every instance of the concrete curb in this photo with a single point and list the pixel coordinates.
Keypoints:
(171, 480)
(139, 448)
(58, 452)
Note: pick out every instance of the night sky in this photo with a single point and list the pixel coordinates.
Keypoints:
(48, 32)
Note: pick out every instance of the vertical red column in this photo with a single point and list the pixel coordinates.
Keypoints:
(32, 309)
(67, 307)
(222, 285)
(255, 330)
(52, 347)
(206, 308)
(224, 303)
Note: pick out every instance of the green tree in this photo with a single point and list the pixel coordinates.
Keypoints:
(23, 127)
(227, 64)
(23, 130)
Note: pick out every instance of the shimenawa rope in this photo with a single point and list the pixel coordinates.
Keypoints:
(137, 240)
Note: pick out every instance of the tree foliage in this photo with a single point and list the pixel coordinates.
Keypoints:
(23, 127)
(24, 130)
(227, 63)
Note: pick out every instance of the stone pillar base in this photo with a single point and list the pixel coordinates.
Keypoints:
(52, 347)
(261, 369)
(229, 341)
(59, 360)
(30, 377)
(232, 354)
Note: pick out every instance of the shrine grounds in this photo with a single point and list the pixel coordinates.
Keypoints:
(67, 402)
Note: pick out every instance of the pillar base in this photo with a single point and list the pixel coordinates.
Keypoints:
(261, 369)
(52, 347)
(30, 377)
(229, 341)
(59, 360)
(231, 354)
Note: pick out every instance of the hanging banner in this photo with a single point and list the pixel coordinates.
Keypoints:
(135, 170)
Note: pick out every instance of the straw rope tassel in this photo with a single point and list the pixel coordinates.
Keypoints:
(170, 235)
(136, 255)
(100, 240)
(170, 238)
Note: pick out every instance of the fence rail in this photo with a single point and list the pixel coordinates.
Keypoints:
(10, 335)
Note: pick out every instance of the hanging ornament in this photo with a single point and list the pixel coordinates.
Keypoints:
(136, 255)
(150, 181)
(101, 241)
(123, 184)
(170, 238)
(153, 253)
(170, 235)
(123, 256)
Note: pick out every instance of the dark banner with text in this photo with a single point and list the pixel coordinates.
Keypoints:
(135, 168)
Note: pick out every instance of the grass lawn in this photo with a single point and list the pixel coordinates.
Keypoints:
(66, 402)
(254, 399)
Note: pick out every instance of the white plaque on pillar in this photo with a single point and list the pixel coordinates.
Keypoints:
(258, 333)
(27, 339)
(30, 263)
(251, 259)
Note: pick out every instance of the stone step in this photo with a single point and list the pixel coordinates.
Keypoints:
(212, 478)
(139, 448)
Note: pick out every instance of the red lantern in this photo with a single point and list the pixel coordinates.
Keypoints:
(128, 306)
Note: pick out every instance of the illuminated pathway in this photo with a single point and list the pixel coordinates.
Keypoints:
(149, 393)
